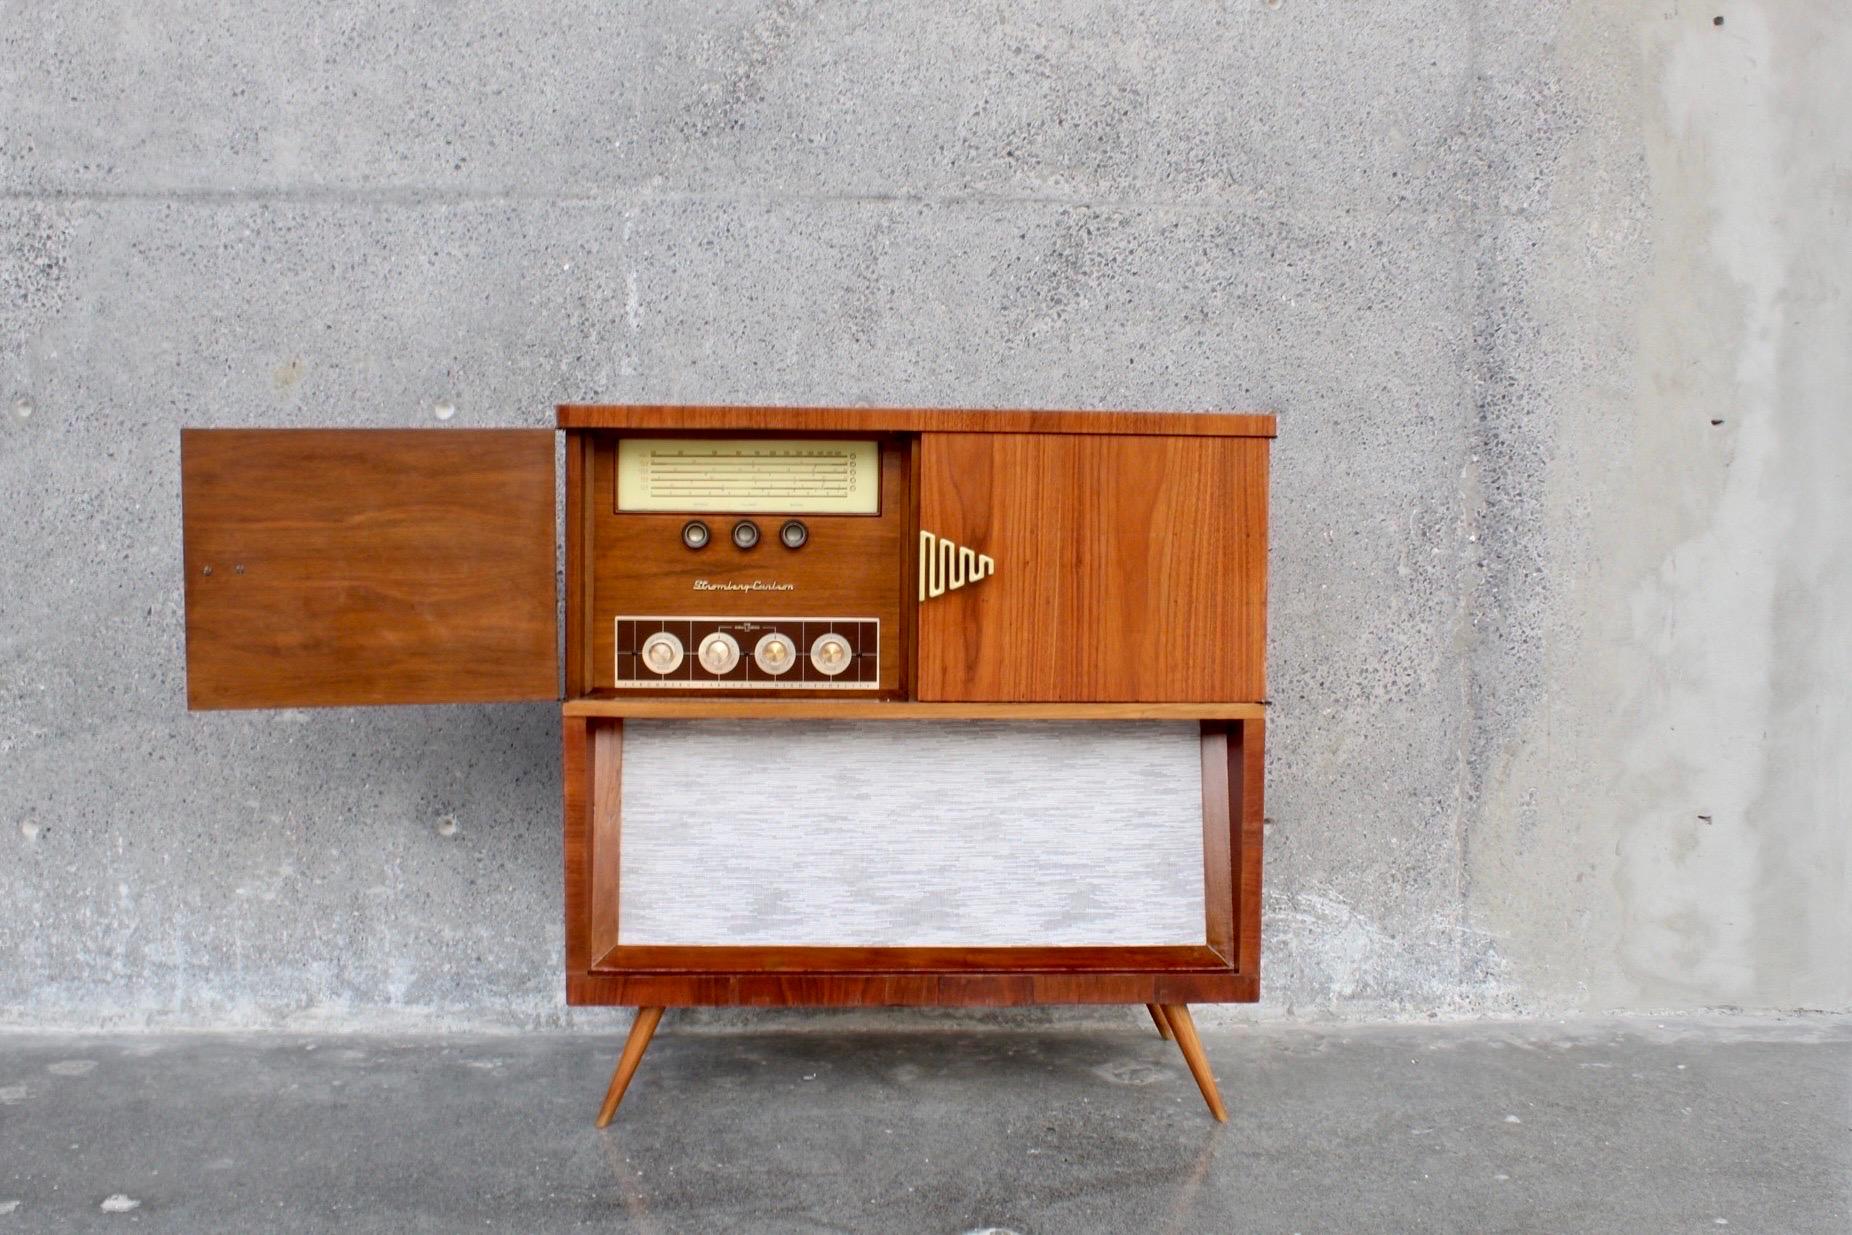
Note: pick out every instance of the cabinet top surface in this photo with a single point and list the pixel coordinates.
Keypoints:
(654, 416)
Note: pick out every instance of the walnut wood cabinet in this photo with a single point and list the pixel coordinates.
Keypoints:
(1006, 565)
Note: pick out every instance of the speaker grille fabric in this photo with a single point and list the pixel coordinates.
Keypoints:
(900, 834)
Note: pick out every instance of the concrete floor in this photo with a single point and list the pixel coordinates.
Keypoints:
(885, 1124)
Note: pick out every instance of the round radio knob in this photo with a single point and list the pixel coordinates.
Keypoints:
(662, 652)
(719, 653)
(831, 654)
(775, 653)
(745, 534)
(695, 534)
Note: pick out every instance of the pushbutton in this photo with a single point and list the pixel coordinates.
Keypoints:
(695, 534)
(745, 534)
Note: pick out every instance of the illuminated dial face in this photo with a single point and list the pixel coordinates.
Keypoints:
(830, 654)
(662, 652)
(775, 653)
(719, 653)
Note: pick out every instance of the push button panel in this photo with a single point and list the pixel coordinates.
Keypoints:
(748, 653)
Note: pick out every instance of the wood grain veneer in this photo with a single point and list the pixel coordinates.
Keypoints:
(898, 709)
(368, 566)
(1127, 568)
(576, 784)
(606, 822)
(1183, 958)
(1220, 841)
(579, 522)
(1247, 773)
(669, 418)
(914, 989)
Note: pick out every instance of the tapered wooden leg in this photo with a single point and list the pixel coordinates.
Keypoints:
(1192, 1047)
(641, 1030)
(1157, 1018)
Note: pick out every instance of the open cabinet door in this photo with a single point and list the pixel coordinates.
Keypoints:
(368, 566)
(1092, 568)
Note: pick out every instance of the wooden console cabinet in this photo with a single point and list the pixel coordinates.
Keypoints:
(953, 565)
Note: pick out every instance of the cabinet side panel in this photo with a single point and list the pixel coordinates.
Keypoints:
(1126, 568)
(347, 567)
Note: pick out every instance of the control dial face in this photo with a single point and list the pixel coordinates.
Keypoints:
(719, 653)
(775, 653)
(662, 652)
(831, 654)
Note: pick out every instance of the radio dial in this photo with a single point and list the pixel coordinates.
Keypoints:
(719, 653)
(662, 652)
(775, 653)
(831, 654)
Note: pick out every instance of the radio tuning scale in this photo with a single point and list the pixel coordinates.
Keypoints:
(788, 476)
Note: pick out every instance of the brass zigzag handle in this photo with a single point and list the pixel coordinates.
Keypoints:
(946, 566)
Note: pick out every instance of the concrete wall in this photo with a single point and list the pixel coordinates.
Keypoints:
(1550, 299)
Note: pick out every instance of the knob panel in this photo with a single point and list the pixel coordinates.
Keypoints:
(710, 653)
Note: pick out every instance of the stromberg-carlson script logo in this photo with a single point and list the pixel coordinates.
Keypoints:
(757, 585)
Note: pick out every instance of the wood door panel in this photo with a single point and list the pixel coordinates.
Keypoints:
(1127, 568)
(368, 566)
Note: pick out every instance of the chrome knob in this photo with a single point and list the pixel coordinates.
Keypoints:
(830, 654)
(719, 653)
(775, 653)
(662, 652)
